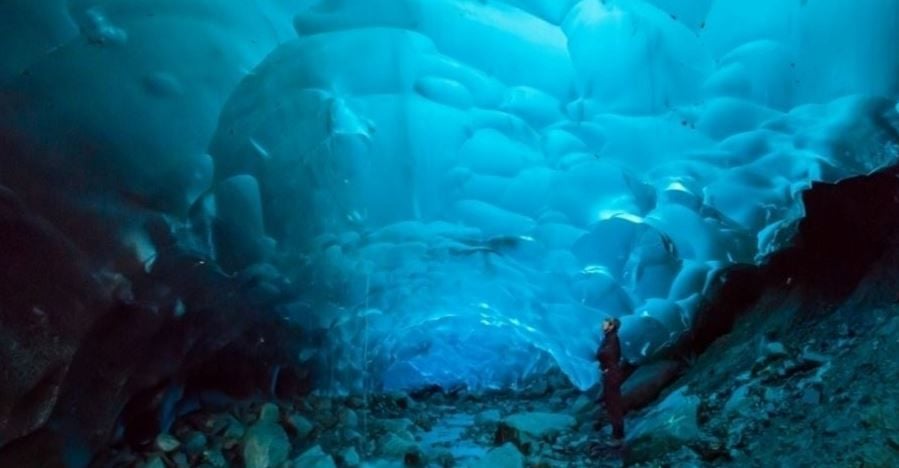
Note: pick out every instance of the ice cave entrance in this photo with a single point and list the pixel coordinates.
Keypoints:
(492, 178)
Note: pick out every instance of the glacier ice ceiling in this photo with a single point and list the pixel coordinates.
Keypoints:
(455, 191)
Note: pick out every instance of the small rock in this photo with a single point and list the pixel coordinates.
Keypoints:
(775, 349)
(685, 458)
(166, 442)
(876, 455)
(816, 359)
(215, 424)
(348, 418)
(739, 400)
(442, 457)
(215, 458)
(350, 457)
(265, 445)
(811, 396)
(398, 445)
(300, 424)
(402, 400)
(324, 403)
(539, 388)
(154, 462)
(834, 426)
(269, 413)
(355, 402)
(843, 329)
(233, 428)
(315, 457)
(194, 443)
(369, 446)
(393, 425)
(774, 394)
(505, 456)
(350, 435)
(424, 422)
(893, 441)
(180, 460)
(582, 404)
(524, 429)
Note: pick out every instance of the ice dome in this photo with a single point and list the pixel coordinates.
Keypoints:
(446, 191)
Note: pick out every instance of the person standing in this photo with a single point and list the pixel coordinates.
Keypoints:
(609, 357)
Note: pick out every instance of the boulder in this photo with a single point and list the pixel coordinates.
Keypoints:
(667, 427)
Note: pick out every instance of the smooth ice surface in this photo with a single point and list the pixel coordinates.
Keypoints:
(461, 189)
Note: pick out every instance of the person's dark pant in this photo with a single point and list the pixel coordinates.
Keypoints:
(611, 383)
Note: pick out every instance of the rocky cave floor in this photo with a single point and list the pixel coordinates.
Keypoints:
(795, 384)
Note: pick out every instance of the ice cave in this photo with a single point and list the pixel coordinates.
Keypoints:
(319, 233)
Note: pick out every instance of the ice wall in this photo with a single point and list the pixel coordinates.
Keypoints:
(463, 189)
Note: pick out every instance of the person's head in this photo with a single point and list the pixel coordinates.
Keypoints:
(610, 324)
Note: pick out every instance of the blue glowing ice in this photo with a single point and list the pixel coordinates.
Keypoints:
(465, 188)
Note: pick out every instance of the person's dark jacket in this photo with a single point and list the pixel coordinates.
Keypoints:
(609, 353)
